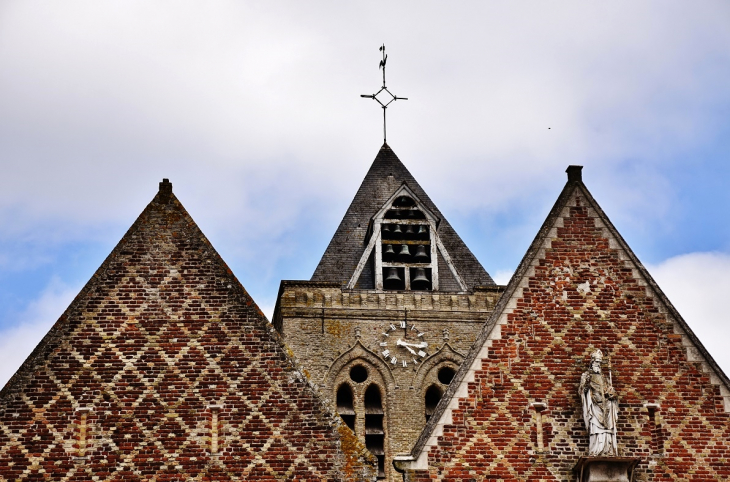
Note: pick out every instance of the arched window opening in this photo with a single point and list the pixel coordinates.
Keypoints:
(374, 427)
(433, 395)
(345, 406)
(373, 402)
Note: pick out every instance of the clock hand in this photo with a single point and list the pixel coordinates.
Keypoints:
(400, 342)
(404, 344)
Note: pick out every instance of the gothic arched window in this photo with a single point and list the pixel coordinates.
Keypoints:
(360, 405)
(374, 428)
(433, 395)
(345, 405)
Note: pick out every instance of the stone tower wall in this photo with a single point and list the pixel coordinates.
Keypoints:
(330, 330)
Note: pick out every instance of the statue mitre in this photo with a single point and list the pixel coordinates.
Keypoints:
(597, 356)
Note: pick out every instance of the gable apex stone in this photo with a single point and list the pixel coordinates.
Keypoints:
(575, 173)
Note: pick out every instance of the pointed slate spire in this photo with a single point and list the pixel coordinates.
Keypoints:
(162, 364)
(386, 175)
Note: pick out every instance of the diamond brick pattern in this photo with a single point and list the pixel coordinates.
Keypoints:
(583, 292)
(162, 332)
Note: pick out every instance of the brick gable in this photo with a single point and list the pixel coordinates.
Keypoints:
(164, 368)
(578, 289)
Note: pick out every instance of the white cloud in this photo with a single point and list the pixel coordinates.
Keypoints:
(101, 99)
(253, 111)
(18, 341)
(698, 284)
(268, 311)
(502, 277)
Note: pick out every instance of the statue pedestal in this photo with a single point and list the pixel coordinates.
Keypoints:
(605, 469)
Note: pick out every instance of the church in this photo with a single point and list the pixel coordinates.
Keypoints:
(400, 360)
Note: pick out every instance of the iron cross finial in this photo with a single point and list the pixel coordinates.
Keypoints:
(384, 97)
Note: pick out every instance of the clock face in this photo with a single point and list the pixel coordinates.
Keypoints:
(403, 345)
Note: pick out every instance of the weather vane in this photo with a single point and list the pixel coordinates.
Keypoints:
(383, 96)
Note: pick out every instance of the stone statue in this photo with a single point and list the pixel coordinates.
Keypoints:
(600, 409)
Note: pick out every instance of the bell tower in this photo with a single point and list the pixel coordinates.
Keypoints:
(392, 309)
(404, 246)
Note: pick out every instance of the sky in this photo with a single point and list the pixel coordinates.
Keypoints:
(253, 111)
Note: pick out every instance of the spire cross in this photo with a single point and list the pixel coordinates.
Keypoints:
(386, 101)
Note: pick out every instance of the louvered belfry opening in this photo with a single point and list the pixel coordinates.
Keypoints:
(345, 406)
(434, 392)
(406, 247)
(374, 426)
(433, 395)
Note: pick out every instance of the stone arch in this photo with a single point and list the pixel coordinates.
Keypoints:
(445, 354)
(380, 378)
(360, 352)
(428, 388)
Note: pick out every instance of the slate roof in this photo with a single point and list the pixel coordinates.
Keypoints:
(161, 336)
(386, 175)
(547, 308)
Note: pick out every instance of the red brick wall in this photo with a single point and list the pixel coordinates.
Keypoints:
(162, 332)
(544, 347)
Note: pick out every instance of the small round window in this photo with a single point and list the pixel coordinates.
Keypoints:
(446, 374)
(358, 374)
